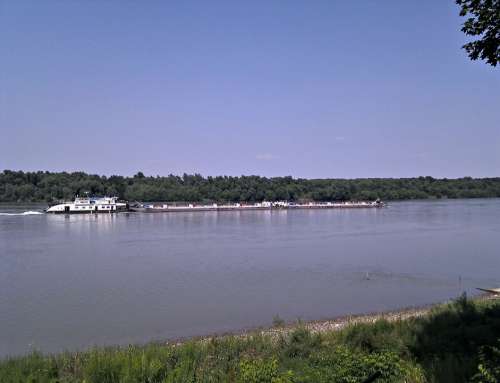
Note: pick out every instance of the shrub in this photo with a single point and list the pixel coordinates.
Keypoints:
(300, 343)
(489, 365)
(278, 321)
(379, 336)
(262, 371)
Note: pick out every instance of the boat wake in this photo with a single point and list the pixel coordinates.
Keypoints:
(23, 213)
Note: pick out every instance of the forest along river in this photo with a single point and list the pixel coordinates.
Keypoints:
(71, 282)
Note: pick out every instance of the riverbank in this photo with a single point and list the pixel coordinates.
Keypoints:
(438, 343)
(282, 328)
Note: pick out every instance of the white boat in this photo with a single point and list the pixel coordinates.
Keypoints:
(89, 205)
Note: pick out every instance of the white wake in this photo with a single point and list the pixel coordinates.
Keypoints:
(23, 213)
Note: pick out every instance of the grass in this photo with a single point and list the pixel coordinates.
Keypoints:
(448, 345)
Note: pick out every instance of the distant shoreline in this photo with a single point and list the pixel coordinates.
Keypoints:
(42, 186)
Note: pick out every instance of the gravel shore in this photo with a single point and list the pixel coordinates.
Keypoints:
(334, 324)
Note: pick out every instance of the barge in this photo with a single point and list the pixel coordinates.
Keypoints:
(94, 205)
(166, 208)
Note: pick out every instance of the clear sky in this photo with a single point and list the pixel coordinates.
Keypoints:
(303, 88)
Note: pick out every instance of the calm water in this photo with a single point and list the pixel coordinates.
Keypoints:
(69, 282)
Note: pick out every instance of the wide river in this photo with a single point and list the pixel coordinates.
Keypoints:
(71, 282)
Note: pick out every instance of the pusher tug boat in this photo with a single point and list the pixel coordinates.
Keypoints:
(89, 205)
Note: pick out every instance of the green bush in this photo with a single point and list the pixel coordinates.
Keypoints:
(301, 343)
(379, 336)
(262, 371)
(489, 365)
(278, 321)
(345, 365)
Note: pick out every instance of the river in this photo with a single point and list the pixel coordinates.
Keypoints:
(72, 282)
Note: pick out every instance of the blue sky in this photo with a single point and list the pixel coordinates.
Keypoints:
(302, 88)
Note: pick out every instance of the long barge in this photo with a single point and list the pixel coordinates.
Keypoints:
(166, 208)
(94, 205)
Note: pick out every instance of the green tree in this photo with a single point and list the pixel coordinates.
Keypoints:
(483, 20)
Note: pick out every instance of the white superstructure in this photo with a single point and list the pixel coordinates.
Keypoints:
(89, 205)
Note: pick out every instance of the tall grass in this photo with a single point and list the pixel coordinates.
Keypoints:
(445, 346)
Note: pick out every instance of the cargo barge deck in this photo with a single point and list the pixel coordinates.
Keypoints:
(279, 205)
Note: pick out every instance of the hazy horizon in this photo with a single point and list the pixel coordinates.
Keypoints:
(309, 90)
(237, 175)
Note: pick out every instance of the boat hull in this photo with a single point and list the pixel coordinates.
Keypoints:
(85, 212)
(193, 209)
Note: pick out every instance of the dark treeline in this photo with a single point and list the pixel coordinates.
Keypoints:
(18, 186)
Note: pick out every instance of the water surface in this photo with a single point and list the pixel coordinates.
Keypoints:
(70, 282)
